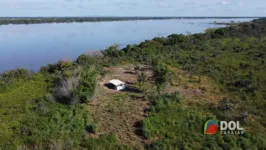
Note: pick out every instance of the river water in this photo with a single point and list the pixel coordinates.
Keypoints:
(35, 45)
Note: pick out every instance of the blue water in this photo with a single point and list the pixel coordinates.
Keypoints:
(32, 46)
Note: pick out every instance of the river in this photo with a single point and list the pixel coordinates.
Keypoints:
(35, 45)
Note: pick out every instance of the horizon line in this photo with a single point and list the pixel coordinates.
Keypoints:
(140, 16)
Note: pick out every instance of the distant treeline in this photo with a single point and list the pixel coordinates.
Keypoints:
(39, 20)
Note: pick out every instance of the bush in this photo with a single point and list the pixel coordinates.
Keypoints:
(61, 124)
(16, 74)
(87, 86)
(85, 60)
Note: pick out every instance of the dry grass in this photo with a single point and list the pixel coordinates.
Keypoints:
(66, 86)
(194, 89)
(119, 112)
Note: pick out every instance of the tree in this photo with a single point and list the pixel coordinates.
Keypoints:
(160, 76)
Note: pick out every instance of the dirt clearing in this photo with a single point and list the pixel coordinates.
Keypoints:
(120, 112)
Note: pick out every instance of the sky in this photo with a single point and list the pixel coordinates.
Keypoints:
(132, 8)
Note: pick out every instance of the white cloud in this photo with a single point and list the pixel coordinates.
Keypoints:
(164, 5)
(225, 3)
(132, 7)
(241, 4)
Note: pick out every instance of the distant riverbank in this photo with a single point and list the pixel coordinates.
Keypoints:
(41, 20)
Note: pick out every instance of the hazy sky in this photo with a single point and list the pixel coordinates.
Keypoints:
(132, 7)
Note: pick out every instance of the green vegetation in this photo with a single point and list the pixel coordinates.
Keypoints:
(160, 76)
(235, 58)
(16, 98)
(48, 110)
(183, 129)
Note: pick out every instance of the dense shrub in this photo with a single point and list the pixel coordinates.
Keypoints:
(16, 74)
(50, 123)
(182, 128)
(85, 60)
(160, 76)
(61, 65)
(15, 102)
(87, 85)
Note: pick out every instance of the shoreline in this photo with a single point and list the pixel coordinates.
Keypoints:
(48, 20)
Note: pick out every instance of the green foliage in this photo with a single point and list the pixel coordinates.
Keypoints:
(104, 142)
(174, 124)
(87, 85)
(28, 120)
(112, 51)
(31, 118)
(160, 75)
(87, 60)
(71, 83)
(182, 128)
(60, 66)
(17, 74)
(14, 105)
(175, 39)
(51, 123)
